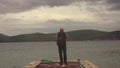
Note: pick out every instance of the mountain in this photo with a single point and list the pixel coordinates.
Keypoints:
(78, 35)
(94, 35)
(4, 38)
(115, 35)
(33, 37)
(86, 34)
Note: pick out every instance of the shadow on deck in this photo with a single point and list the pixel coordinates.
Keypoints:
(57, 65)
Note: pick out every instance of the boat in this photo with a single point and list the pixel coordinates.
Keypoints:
(55, 64)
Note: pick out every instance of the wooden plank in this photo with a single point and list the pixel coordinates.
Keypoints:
(32, 64)
(88, 64)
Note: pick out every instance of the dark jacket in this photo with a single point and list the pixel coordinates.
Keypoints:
(61, 36)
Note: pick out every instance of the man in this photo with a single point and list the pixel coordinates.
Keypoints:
(61, 42)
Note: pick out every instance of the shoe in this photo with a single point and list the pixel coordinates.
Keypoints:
(63, 66)
(61, 63)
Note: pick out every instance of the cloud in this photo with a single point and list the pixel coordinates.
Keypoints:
(13, 6)
(47, 16)
(7, 6)
(51, 26)
(72, 12)
(113, 1)
(114, 4)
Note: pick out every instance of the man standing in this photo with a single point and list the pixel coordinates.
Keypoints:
(61, 42)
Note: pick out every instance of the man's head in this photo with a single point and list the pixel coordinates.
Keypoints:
(61, 30)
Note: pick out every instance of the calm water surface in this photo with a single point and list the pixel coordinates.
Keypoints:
(106, 54)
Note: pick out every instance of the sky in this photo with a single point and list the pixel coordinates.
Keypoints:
(47, 16)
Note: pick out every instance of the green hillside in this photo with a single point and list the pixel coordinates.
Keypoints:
(77, 35)
(33, 37)
(86, 34)
(4, 38)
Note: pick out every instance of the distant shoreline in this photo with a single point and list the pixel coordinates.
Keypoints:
(78, 35)
(55, 41)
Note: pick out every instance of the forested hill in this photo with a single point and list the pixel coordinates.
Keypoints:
(78, 35)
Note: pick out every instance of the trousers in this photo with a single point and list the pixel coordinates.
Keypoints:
(62, 52)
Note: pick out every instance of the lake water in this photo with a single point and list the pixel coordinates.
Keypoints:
(106, 54)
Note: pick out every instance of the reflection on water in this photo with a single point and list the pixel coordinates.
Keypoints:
(106, 54)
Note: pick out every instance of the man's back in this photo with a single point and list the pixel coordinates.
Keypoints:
(61, 36)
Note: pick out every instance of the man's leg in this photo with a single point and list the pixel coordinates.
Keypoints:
(60, 54)
(65, 53)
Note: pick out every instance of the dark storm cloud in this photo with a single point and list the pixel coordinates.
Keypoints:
(113, 1)
(7, 6)
(11, 6)
(115, 7)
(114, 4)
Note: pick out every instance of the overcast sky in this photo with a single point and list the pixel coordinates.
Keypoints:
(47, 16)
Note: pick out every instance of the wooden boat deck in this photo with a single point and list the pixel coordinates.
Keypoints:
(57, 65)
(71, 64)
